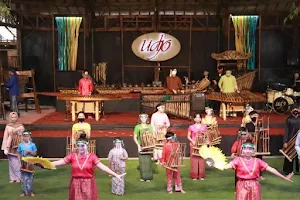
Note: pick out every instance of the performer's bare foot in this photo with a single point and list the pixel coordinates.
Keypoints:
(18, 181)
(11, 181)
(170, 192)
(194, 179)
(142, 180)
(22, 195)
(32, 195)
(202, 179)
(182, 191)
(148, 181)
(262, 178)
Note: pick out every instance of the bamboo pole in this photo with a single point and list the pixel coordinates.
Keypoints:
(190, 48)
(53, 54)
(228, 32)
(122, 48)
(259, 48)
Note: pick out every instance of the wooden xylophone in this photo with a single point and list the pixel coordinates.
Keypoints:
(243, 97)
(176, 104)
(97, 97)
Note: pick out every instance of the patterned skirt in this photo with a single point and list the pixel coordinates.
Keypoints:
(146, 169)
(83, 189)
(248, 190)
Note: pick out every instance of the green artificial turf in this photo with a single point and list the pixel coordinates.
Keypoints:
(216, 186)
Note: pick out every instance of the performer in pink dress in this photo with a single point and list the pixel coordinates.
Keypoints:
(247, 171)
(83, 184)
(160, 123)
(197, 163)
(170, 145)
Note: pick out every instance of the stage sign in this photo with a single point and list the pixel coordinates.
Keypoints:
(156, 47)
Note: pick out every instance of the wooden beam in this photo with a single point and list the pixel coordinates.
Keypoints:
(259, 48)
(53, 54)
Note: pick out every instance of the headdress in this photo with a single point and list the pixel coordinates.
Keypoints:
(82, 139)
(242, 132)
(26, 132)
(118, 140)
(248, 145)
(143, 115)
(170, 135)
(249, 108)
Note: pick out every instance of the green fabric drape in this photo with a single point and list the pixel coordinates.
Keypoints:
(245, 36)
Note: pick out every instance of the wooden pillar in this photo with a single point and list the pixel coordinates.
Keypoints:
(122, 47)
(190, 48)
(53, 54)
(259, 47)
(228, 32)
(156, 71)
(19, 47)
(84, 40)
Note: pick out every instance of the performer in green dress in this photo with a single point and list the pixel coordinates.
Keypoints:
(145, 162)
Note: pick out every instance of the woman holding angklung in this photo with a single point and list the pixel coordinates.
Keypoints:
(160, 124)
(247, 171)
(197, 163)
(145, 162)
(11, 139)
(83, 184)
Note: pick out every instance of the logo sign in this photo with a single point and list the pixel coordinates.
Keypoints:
(156, 47)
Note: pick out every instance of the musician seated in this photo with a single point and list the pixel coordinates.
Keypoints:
(174, 83)
(227, 83)
(209, 120)
(85, 86)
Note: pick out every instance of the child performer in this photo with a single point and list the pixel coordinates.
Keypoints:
(83, 183)
(117, 162)
(247, 169)
(26, 148)
(145, 162)
(246, 118)
(170, 146)
(197, 162)
(160, 123)
(236, 149)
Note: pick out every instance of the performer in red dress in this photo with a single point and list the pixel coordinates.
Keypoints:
(85, 86)
(83, 184)
(247, 170)
(170, 146)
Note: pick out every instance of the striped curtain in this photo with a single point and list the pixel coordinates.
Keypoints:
(68, 33)
(245, 38)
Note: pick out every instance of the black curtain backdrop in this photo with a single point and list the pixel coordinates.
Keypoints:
(37, 54)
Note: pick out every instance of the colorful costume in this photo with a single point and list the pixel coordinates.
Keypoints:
(160, 123)
(145, 162)
(11, 139)
(85, 87)
(197, 163)
(247, 172)
(83, 184)
(26, 176)
(171, 175)
(227, 84)
(118, 165)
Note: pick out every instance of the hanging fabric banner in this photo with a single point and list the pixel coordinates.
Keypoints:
(245, 36)
(68, 33)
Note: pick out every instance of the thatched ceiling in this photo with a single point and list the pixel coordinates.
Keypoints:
(146, 7)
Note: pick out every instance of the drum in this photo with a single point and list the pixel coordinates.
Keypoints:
(272, 95)
(296, 94)
(26, 167)
(289, 92)
(283, 104)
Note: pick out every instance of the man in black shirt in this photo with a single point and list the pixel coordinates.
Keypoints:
(251, 128)
(292, 126)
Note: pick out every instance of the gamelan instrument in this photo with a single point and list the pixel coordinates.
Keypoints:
(70, 149)
(26, 167)
(290, 152)
(175, 158)
(175, 104)
(16, 140)
(243, 97)
(89, 104)
(262, 137)
(148, 141)
(201, 139)
(160, 136)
